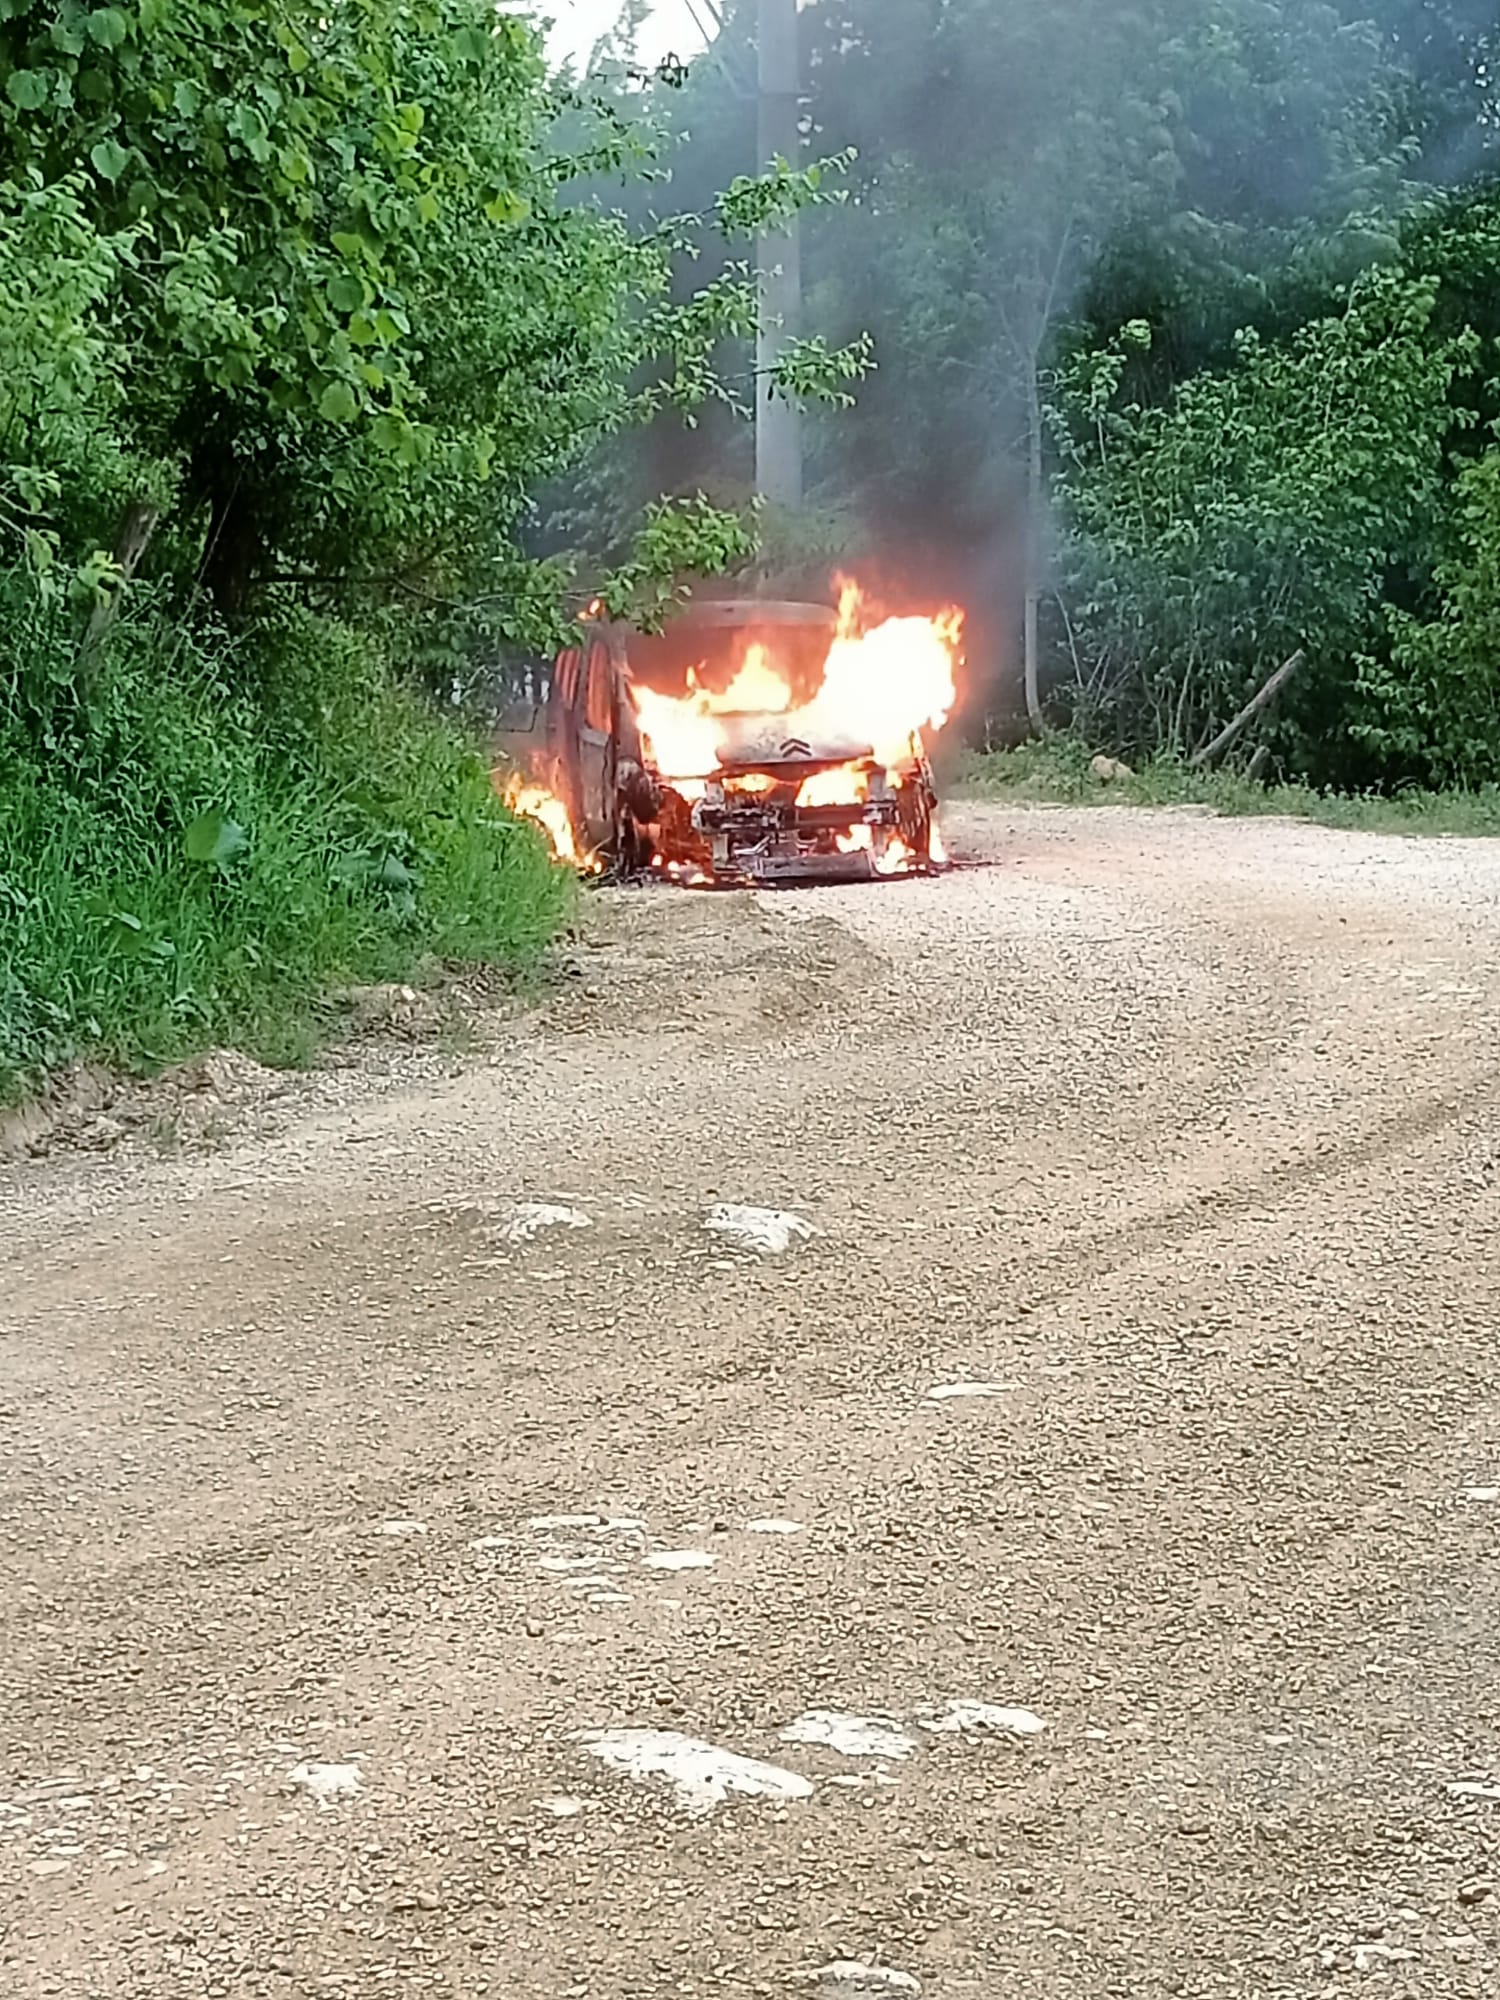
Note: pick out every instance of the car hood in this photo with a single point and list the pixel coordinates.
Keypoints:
(750, 742)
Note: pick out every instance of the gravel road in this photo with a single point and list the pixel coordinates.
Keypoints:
(434, 1562)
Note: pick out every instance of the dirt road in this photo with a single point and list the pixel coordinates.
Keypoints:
(1139, 1386)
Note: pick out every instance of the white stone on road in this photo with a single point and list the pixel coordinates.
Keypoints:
(326, 1782)
(773, 1527)
(561, 1806)
(1469, 1788)
(947, 1392)
(527, 1220)
(851, 1735)
(678, 1559)
(702, 1775)
(769, 1230)
(962, 1718)
(852, 1976)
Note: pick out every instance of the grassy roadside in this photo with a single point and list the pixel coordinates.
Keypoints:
(1057, 772)
(208, 851)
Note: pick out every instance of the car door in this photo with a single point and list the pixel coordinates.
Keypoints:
(564, 719)
(596, 744)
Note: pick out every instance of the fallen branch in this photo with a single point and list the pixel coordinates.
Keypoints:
(136, 530)
(1248, 713)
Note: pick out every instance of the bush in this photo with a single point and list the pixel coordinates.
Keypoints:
(222, 832)
(1432, 710)
(1265, 510)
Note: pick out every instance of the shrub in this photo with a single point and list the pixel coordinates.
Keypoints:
(224, 831)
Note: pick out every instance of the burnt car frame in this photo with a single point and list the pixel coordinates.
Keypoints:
(585, 742)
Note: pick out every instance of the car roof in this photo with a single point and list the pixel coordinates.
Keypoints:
(733, 611)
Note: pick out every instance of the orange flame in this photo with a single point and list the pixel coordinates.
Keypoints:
(892, 684)
(844, 785)
(882, 690)
(529, 800)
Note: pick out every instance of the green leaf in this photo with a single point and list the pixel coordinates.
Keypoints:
(345, 292)
(249, 127)
(186, 97)
(28, 89)
(297, 58)
(507, 209)
(389, 432)
(214, 840)
(396, 434)
(110, 158)
(348, 244)
(40, 553)
(108, 27)
(338, 403)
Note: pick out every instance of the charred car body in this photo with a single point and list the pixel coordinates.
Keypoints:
(766, 802)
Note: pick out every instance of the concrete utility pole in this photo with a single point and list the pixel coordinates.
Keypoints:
(778, 259)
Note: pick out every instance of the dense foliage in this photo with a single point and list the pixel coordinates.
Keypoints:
(298, 309)
(1184, 318)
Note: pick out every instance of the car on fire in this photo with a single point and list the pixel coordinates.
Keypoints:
(769, 799)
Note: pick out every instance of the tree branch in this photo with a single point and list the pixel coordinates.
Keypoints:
(1258, 701)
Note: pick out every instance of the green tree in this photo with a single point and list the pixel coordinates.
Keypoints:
(1447, 51)
(299, 308)
(363, 321)
(1429, 711)
(1266, 509)
(1020, 166)
(61, 386)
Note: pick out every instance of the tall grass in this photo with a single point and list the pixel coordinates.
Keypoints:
(1057, 771)
(201, 844)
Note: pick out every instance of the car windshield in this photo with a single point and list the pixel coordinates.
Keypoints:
(712, 655)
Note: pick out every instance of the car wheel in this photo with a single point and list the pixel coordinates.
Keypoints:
(631, 849)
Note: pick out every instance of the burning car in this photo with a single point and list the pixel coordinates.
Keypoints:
(751, 742)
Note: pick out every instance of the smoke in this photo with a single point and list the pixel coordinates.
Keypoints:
(1028, 175)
